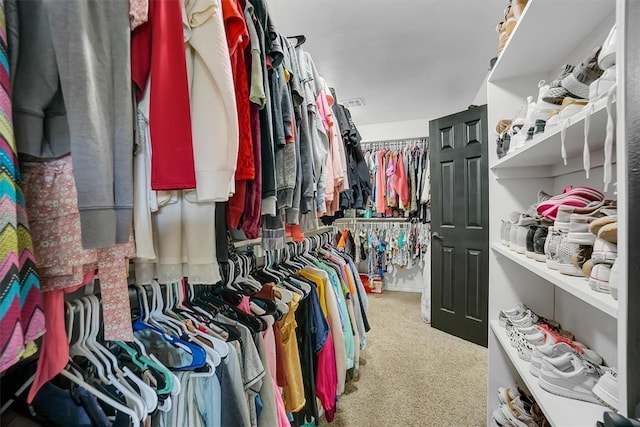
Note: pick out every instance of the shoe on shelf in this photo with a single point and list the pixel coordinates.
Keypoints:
(539, 243)
(577, 197)
(611, 419)
(514, 219)
(566, 252)
(600, 88)
(606, 389)
(516, 413)
(586, 268)
(507, 234)
(564, 212)
(507, 394)
(503, 226)
(604, 252)
(613, 281)
(609, 232)
(570, 376)
(571, 107)
(596, 225)
(576, 84)
(517, 312)
(519, 139)
(530, 250)
(521, 239)
(554, 350)
(599, 278)
(551, 251)
(555, 87)
(541, 334)
(579, 223)
(607, 56)
(583, 255)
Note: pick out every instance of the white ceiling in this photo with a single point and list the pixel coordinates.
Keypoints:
(407, 59)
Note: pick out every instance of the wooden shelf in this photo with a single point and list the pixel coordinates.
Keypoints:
(576, 286)
(546, 34)
(545, 148)
(560, 411)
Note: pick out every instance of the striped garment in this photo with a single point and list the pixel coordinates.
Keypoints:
(21, 312)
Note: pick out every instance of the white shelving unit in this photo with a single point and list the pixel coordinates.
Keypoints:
(576, 286)
(549, 35)
(554, 407)
(544, 148)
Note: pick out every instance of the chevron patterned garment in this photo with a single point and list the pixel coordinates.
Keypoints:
(21, 314)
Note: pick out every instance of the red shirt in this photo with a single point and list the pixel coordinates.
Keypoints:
(157, 48)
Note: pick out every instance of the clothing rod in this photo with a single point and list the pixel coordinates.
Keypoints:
(258, 241)
(420, 140)
(371, 220)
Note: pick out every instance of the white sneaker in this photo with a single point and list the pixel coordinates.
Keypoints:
(513, 236)
(514, 414)
(551, 251)
(599, 279)
(599, 88)
(571, 377)
(606, 390)
(604, 252)
(549, 351)
(506, 395)
(565, 253)
(529, 318)
(607, 55)
(613, 281)
(554, 350)
(521, 239)
(515, 313)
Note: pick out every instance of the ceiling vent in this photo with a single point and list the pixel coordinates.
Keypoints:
(354, 102)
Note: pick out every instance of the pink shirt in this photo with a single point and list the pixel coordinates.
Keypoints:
(327, 378)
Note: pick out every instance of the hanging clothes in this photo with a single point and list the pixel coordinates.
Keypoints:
(55, 97)
(401, 179)
(22, 320)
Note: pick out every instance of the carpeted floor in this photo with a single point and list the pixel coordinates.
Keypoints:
(414, 375)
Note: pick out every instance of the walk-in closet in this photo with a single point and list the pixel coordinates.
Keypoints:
(278, 213)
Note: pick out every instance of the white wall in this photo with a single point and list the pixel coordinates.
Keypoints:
(394, 130)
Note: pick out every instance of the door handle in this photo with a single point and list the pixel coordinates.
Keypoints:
(436, 235)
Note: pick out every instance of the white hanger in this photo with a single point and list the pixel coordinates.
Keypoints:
(108, 400)
(219, 346)
(80, 348)
(146, 393)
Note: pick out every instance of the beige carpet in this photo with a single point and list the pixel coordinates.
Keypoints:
(414, 375)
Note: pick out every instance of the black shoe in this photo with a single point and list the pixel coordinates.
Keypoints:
(530, 241)
(539, 240)
(611, 419)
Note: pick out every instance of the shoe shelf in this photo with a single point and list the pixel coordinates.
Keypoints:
(545, 148)
(560, 411)
(535, 48)
(576, 286)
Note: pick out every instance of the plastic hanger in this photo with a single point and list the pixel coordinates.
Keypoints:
(79, 348)
(136, 420)
(198, 354)
(219, 346)
(146, 393)
(113, 371)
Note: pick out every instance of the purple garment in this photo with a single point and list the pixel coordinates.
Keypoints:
(253, 200)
